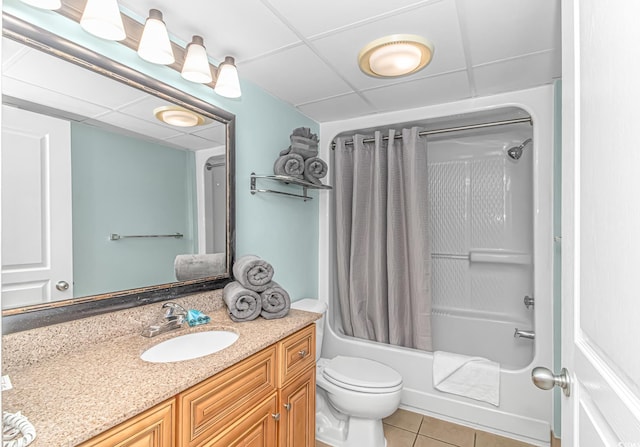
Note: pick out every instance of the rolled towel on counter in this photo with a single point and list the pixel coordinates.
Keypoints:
(290, 164)
(242, 304)
(314, 169)
(199, 266)
(275, 302)
(253, 273)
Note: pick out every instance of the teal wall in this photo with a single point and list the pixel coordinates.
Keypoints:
(557, 271)
(131, 187)
(283, 231)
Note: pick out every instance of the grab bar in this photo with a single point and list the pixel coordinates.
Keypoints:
(487, 256)
(524, 334)
(117, 237)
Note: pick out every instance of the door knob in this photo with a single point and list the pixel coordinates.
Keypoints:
(544, 379)
(62, 286)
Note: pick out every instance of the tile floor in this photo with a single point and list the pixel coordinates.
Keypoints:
(407, 429)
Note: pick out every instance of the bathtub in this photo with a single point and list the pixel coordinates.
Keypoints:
(525, 412)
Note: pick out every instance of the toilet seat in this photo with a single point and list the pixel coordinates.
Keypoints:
(363, 375)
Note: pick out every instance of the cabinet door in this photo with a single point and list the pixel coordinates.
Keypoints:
(297, 353)
(257, 429)
(298, 411)
(153, 428)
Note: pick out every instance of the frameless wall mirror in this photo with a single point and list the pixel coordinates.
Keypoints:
(115, 187)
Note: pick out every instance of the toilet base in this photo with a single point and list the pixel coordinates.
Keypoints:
(339, 430)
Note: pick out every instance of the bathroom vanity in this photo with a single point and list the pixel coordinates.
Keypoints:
(258, 391)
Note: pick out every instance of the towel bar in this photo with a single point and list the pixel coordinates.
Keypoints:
(117, 237)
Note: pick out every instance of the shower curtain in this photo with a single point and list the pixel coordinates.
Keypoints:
(383, 255)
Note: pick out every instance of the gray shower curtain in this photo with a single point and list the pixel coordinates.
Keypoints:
(383, 254)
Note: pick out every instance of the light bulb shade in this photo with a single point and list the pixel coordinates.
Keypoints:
(155, 45)
(44, 4)
(102, 19)
(228, 84)
(196, 64)
(395, 55)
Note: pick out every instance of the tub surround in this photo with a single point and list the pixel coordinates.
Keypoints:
(78, 379)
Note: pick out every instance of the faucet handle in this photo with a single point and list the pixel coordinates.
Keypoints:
(174, 309)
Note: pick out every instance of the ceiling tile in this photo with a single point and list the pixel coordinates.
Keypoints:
(137, 125)
(192, 142)
(71, 80)
(438, 22)
(242, 29)
(515, 74)
(215, 132)
(421, 92)
(337, 108)
(10, 50)
(295, 75)
(311, 18)
(54, 100)
(499, 29)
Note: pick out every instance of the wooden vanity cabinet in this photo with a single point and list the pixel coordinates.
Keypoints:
(152, 428)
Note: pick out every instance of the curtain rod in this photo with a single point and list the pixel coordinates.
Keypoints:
(450, 129)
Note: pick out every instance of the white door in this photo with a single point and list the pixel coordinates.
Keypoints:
(601, 222)
(37, 247)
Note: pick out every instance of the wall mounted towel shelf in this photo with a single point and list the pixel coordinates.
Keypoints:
(286, 180)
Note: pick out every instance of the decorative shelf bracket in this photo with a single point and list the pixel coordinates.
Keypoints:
(286, 180)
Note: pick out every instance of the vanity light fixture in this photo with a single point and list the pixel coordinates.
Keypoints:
(178, 116)
(228, 84)
(395, 55)
(155, 46)
(196, 64)
(44, 4)
(102, 18)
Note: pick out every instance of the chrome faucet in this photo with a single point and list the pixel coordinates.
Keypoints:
(174, 317)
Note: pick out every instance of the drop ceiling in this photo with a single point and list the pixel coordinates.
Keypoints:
(305, 51)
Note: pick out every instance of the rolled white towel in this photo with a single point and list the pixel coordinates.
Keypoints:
(314, 169)
(253, 273)
(291, 165)
(242, 304)
(275, 302)
(199, 266)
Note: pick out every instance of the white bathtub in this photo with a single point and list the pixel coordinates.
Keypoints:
(525, 412)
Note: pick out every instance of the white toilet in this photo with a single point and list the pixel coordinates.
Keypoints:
(352, 394)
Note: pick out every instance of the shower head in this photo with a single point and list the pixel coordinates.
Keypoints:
(516, 151)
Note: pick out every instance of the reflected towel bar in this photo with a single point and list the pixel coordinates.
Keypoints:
(117, 237)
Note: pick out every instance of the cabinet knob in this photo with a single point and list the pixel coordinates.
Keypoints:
(287, 406)
(302, 353)
(276, 416)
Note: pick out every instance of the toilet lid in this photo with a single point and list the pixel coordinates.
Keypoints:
(362, 375)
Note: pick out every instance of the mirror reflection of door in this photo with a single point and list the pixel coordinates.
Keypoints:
(215, 190)
(37, 264)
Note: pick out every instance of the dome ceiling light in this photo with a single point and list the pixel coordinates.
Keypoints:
(178, 116)
(395, 55)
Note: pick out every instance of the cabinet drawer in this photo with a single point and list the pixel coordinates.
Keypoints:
(153, 428)
(296, 353)
(206, 409)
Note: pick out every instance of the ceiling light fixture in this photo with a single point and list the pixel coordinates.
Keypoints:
(395, 55)
(102, 18)
(196, 64)
(227, 83)
(44, 4)
(178, 116)
(155, 46)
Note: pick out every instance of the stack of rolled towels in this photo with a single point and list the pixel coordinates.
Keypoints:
(300, 160)
(254, 293)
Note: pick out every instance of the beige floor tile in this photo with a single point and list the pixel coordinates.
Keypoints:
(321, 444)
(423, 441)
(397, 437)
(490, 440)
(447, 432)
(406, 420)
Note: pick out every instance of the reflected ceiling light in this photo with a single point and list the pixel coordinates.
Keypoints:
(102, 18)
(178, 116)
(395, 55)
(44, 4)
(227, 83)
(155, 45)
(196, 64)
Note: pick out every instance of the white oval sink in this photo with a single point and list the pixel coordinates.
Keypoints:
(189, 346)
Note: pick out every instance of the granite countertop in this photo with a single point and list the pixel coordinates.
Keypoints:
(76, 394)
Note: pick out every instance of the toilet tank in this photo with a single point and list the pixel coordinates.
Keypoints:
(319, 307)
